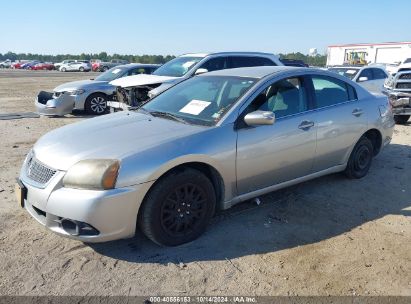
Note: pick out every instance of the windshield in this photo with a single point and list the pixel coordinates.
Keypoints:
(200, 100)
(112, 74)
(177, 67)
(347, 72)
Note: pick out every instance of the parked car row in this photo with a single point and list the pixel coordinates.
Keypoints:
(63, 66)
(204, 132)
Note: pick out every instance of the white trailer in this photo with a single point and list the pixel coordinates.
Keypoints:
(366, 53)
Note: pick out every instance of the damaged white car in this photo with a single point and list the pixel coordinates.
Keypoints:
(90, 95)
(133, 90)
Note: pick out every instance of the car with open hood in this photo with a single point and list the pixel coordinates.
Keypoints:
(90, 95)
(207, 143)
(135, 89)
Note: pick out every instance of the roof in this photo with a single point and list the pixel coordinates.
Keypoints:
(131, 65)
(369, 44)
(254, 72)
(226, 53)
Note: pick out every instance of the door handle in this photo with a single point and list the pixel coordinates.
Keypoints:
(306, 124)
(357, 112)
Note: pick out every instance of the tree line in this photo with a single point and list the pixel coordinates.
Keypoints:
(159, 59)
(318, 60)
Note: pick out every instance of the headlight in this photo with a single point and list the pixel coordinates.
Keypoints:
(92, 174)
(76, 92)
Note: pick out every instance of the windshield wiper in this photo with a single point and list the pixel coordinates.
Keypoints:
(168, 115)
(139, 108)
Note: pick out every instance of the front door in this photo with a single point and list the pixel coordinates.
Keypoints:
(271, 154)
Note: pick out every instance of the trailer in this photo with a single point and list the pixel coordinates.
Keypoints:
(368, 53)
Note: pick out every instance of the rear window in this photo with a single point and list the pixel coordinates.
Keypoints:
(331, 91)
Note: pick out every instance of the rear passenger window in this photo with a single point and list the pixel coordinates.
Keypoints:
(330, 91)
(248, 61)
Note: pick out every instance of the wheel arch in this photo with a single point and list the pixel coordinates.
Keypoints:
(375, 137)
(208, 170)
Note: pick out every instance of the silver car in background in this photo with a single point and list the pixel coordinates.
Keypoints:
(76, 66)
(90, 95)
(207, 143)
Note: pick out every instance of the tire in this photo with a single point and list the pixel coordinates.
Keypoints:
(167, 214)
(401, 119)
(63, 69)
(81, 69)
(104, 69)
(96, 104)
(360, 159)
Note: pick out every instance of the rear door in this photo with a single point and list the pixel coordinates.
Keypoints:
(340, 119)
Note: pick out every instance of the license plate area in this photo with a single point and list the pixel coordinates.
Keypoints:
(21, 193)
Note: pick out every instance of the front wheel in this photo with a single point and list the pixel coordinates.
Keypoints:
(401, 119)
(81, 69)
(178, 209)
(360, 159)
(96, 104)
(63, 69)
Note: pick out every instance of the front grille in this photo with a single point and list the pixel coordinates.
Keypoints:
(405, 76)
(38, 172)
(404, 85)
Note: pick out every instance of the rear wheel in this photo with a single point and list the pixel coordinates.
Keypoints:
(63, 69)
(178, 209)
(96, 104)
(401, 119)
(360, 159)
(81, 69)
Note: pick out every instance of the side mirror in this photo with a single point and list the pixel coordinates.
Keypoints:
(361, 79)
(200, 71)
(258, 118)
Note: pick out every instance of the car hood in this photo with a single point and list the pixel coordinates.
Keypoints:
(112, 136)
(141, 79)
(75, 85)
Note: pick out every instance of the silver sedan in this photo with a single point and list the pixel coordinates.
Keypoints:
(90, 95)
(207, 143)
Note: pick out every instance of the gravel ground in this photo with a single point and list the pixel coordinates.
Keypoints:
(329, 236)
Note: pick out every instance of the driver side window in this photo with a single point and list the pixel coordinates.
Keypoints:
(215, 64)
(285, 97)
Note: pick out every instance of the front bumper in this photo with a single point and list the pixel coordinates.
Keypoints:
(111, 213)
(47, 103)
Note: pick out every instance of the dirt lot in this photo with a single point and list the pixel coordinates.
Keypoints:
(330, 236)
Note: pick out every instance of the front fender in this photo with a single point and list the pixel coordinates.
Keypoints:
(215, 147)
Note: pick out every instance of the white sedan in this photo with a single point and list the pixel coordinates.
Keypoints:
(371, 78)
(79, 66)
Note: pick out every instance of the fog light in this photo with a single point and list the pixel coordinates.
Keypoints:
(70, 226)
(77, 228)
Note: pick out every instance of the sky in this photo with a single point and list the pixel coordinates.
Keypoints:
(181, 26)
